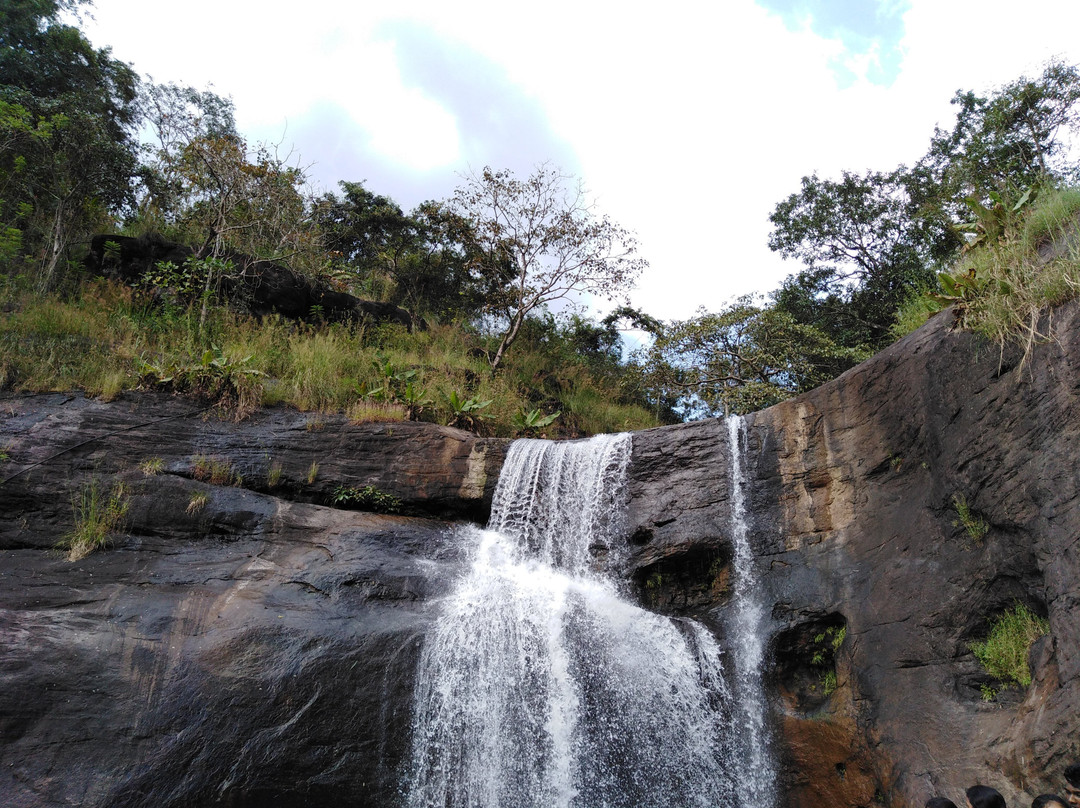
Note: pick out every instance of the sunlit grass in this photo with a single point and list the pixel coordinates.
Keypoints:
(107, 340)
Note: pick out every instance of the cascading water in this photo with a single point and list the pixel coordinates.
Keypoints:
(756, 780)
(541, 687)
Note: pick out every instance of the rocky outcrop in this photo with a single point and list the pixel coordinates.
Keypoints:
(239, 642)
(255, 286)
(854, 489)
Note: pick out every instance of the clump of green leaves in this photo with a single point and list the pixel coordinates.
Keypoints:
(98, 514)
(534, 420)
(401, 386)
(823, 649)
(368, 498)
(466, 413)
(975, 526)
(1004, 653)
(217, 376)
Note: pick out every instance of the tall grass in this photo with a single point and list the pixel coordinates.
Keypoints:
(106, 339)
(97, 514)
(1009, 283)
(1004, 653)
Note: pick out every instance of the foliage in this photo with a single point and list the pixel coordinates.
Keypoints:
(213, 470)
(1002, 285)
(743, 358)
(466, 412)
(534, 420)
(67, 150)
(1007, 141)
(367, 498)
(152, 466)
(177, 116)
(274, 474)
(865, 253)
(419, 261)
(974, 525)
(539, 241)
(98, 514)
(197, 502)
(1004, 653)
(873, 244)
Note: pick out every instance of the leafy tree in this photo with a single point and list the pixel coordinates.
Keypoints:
(748, 356)
(424, 254)
(543, 237)
(865, 250)
(870, 242)
(1008, 141)
(178, 116)
(67, 125)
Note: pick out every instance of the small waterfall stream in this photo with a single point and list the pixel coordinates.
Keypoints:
(542, 686)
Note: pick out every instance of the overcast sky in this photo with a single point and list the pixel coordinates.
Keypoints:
(687, 121)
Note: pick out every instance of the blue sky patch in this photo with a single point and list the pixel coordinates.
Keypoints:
(865, 27)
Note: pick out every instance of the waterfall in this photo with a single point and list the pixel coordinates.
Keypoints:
(756, 777)
(542, 686)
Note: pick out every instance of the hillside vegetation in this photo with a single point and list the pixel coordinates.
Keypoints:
(491, 278)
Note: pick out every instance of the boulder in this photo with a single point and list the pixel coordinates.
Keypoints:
(256, 286)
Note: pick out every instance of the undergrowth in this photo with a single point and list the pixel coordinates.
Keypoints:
(98, 513)
(105, 339)
(1004, 653)
(1002, 285)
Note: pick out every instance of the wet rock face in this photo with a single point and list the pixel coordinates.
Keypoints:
(239, 642)
(866, 496)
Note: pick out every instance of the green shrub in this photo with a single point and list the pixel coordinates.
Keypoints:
(368, 498)
(1004, 653)
(1002, 286)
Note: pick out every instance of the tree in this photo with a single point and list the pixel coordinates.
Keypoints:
(745, 357)
(1008, 141)
(544, 237)
(425, 254)
(866, 251)
(178, 116)
(67, 126)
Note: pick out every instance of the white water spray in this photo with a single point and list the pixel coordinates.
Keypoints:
(541, 687)
(755, 777)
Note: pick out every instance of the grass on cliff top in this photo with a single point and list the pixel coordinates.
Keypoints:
(1006, 283)
(104, 340)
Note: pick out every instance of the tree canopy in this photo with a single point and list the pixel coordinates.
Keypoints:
(68, 113)
(545, 238)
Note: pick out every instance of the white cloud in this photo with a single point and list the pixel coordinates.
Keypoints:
(689, 121)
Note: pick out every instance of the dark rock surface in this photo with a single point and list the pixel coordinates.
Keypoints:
(855, 524)
(256, 286)
(254, 650)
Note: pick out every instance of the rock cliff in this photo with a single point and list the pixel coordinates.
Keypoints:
(854, 488)
(240, 642)
(248, 639)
